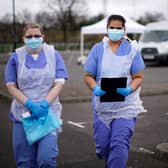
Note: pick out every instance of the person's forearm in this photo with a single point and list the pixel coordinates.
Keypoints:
(16, 93)
(136, 83)
(137, 80)
(90, 81)
(54, 92)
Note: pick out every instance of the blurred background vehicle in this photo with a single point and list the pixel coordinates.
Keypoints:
(153, 43)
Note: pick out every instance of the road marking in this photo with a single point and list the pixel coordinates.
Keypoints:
(141, 149)
(140, 117)
(82, 123)
(77, 124)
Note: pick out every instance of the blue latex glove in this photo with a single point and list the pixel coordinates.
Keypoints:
(44, 104)
(98, 91)
(34, 108)
(124, 91)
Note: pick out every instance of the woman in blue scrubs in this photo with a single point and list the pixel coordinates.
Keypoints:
(114, 122)
(35, 75)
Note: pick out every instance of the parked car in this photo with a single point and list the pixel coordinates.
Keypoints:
(153, 43)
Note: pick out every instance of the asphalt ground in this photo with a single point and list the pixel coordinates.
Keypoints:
(75, 90)
(76, 144)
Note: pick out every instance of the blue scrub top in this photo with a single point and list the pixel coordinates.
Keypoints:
(93, 63)
(12, 65)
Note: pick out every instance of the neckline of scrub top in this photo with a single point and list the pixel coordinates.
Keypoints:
(39, 63)
(123, 49)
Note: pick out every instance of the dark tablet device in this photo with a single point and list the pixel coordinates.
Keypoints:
(110, 85)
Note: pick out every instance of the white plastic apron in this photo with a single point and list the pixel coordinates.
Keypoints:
(118, 66)
(35, 83)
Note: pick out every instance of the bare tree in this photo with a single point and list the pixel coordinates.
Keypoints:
(44, 18)
(67, 13)
(7, 18)
(25, 16)
(150, 17)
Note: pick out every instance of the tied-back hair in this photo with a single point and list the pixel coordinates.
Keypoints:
(116, 17)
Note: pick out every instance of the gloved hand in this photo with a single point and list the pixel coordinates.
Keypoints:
(44, 104)
(34, 108)
(98, 91)
(124, 91)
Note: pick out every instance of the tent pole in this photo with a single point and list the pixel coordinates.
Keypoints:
(81, 44)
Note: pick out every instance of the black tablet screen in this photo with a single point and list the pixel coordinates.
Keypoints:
(110, 85)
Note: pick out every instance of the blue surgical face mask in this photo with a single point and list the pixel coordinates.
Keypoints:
(33, 43)
(115, 34)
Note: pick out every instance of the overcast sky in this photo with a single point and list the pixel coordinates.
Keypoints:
(132, 8)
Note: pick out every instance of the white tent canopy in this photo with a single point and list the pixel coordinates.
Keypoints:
(100, 28)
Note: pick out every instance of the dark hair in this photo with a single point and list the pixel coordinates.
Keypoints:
(116, 17)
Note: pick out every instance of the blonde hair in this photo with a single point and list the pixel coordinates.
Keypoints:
(33, 25)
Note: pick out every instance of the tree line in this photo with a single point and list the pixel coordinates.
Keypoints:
(61, 19)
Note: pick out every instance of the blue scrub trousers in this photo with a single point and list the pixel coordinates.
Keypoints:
(112, 144)
(42, 154)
